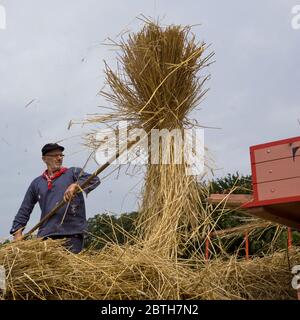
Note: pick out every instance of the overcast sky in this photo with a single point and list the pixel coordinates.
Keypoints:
(51, 53)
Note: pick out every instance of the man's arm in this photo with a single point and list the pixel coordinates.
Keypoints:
(80, 177)
(24, 212)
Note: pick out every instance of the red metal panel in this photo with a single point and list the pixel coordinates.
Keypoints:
(207, 247)
(247, 245)
(275, 162)
(274, 143)
(289, 238)
(254, 178)
(276, 182)
(272, 201)
(278, 170)
(278, 189)
(276, 151)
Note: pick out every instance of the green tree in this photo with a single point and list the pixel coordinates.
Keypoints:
(261, 241)
(103, 228)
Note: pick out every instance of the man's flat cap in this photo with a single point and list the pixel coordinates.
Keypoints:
(50, 147)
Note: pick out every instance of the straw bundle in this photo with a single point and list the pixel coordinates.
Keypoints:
(45, 270)
(156, 86)
(267, 278)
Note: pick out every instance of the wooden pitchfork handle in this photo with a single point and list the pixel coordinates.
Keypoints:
(80, 189)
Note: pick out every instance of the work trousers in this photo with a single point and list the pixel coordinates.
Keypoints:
(74, 242)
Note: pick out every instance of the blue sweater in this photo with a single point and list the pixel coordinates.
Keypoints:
(74, 221)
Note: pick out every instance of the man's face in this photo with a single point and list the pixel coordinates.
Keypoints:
(54, 159)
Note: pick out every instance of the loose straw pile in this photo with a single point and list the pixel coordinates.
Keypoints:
(44, 270)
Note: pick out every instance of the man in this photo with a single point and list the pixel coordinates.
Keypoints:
(55, 184)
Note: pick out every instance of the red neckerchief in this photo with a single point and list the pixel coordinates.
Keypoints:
(51, 178)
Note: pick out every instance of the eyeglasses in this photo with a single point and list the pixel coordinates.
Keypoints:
(55, 155)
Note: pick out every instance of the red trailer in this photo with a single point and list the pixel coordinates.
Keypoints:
(275, 170)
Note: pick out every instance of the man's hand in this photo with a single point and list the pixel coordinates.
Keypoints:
(70, 192)
(18, 236)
